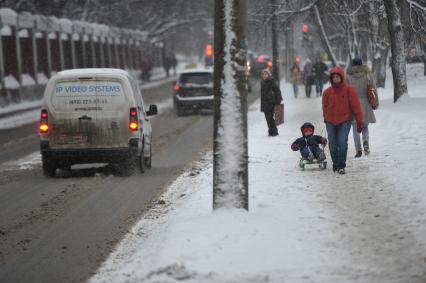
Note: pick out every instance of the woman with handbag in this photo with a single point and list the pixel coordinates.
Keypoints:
(360, 77)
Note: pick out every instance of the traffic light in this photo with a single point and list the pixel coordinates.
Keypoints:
(209, 55)
(305, 34)
(209, 50)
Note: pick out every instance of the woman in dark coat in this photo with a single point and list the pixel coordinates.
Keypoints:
(270, 96)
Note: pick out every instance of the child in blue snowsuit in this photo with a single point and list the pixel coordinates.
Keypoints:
(309, 143)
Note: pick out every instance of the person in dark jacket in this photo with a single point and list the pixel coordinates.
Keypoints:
(309, 143)
(270, 96)
(319, 72)
(307, 77)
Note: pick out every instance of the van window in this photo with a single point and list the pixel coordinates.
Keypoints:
(88, 95)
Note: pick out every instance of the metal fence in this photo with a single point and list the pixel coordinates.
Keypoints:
(35, 47)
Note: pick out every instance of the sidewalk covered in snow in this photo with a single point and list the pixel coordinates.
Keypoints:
(302, 226)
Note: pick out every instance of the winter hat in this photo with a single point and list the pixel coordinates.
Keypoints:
(357, 61)
(307, 125)
(267, 71)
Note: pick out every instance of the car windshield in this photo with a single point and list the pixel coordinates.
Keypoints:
(196, 78)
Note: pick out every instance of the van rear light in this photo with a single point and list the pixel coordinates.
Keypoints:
(133, 119)
(44, 127)
(177, 87)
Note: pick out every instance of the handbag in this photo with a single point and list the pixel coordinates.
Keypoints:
(372, 97)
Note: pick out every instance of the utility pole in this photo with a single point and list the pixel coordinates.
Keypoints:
(275, 49)
(230, 151)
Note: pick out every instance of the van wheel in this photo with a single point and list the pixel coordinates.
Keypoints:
(49, 166)
(148, 160)
(127, 166)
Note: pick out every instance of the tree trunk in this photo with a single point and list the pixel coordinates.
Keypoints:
(230, 153)
(382, 52)
(374, 23)
(275, 51)
(355, 42)
(325, 37)
(398, 64)
(289, 49)
(423, 45)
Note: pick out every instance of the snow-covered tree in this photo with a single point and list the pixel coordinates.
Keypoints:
(230, 177)
(398, 63)
(414, 21)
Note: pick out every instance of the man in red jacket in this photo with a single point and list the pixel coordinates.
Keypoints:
(339, 105)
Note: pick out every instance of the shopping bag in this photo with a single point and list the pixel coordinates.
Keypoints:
(279, 114)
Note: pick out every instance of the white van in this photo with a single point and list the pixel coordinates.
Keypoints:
(95, 116)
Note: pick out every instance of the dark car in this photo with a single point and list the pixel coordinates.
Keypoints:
(193, 91)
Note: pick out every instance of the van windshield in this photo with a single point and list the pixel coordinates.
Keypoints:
(88, 95)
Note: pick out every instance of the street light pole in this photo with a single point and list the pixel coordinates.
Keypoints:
(275, 49)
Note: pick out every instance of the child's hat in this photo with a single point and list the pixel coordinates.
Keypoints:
(307, 125)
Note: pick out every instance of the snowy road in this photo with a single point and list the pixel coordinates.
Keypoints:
(61, 229)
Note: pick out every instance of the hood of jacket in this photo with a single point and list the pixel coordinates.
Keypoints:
(358, 71)
(307, 125)
(339, 71)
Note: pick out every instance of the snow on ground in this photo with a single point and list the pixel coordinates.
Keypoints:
(20, 119)
(26, 163)
(312, 226)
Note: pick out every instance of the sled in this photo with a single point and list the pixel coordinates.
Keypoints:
(304, 162)
(321, 164)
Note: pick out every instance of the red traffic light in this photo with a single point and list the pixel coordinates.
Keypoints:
(209, 50)
(305, 28)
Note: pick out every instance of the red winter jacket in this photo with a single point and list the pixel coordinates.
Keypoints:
(340, 103)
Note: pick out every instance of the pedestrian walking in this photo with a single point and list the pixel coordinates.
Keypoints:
(270, 96)
(319, 70)
(174, 63)
(339, 105)
(295, 77)
(307, 77)
(146, 66)
(167, 64)
(359, 76)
